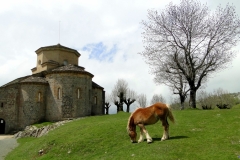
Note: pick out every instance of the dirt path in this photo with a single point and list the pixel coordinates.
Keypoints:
(7, 144)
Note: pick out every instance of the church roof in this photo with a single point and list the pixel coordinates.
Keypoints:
(27, 79)
(58, 47)
(95, 85)
(34, 79)
(71, 68)
(39, 78)
(15, 81)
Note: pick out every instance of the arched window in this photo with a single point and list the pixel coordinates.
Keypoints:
(59, 93)
(65, 62)
(1, 104)
(95, 100)
(78, 93)
(39, 96)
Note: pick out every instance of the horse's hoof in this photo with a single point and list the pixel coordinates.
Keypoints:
(149, 141)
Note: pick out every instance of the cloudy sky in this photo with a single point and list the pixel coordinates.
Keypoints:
(107, 33)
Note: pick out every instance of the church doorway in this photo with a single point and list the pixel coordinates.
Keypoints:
(2, 126)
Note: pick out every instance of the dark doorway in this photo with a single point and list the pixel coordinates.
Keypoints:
(2, 126)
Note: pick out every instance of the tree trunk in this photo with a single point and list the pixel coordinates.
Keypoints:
(192, 101)
(107, 105)
(182, 99)
(118, 105)
(106, 110)
(128, 108)
(121, 107)
(121, 101)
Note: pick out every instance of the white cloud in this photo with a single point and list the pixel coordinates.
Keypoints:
(27, 25)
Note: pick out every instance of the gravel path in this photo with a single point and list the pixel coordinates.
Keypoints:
(7, 144)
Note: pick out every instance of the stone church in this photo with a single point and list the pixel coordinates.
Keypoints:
(58, 89)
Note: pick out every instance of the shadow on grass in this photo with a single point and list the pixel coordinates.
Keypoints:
(171, 138)
(178, 137)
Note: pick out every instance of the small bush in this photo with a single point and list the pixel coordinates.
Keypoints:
(206, 107)
(223, 106)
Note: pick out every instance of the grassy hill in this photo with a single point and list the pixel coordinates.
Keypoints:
(197, 134)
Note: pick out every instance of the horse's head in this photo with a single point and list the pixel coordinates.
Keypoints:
(133, 136)
(131, 128)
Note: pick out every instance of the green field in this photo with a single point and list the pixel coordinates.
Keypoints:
(196, 134)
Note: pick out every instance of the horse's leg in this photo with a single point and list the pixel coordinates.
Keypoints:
(149, 139)
(166, 128)
(141, 135)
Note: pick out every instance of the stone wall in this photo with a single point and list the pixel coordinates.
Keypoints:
(32, 103)
(63, 101)
(8, 108)
(97, 101)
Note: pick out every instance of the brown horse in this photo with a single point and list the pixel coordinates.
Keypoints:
(147, 116)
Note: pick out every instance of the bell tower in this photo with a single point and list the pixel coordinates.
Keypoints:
(51, 57)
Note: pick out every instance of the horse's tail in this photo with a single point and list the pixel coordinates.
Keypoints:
(170, 115)
(131, 126)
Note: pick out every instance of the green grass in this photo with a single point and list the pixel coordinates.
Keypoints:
(197, 134)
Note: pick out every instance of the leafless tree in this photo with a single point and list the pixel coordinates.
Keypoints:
(157, 98)
(107, 103)
(121, 87)
(118, 93)
(191, 40)
(142, 100)
(176, 82)
(122, 94)
(131, 97)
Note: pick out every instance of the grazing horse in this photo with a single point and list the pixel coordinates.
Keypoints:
(147, 116)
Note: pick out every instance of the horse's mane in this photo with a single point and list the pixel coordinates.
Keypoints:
(130, 119)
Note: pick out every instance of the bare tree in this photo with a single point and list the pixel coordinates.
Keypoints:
(122, 94)
(157, 98)
(107, 103)
(119, 93)
(130, 98)
(191, 40)
(176, 82)
(121, 87)
(142, 100)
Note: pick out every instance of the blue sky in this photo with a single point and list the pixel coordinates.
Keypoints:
(100, 52)
(107, 33)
